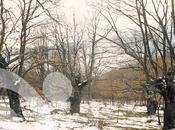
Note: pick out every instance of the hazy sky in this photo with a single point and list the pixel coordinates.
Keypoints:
(78, 6)
(81, 8)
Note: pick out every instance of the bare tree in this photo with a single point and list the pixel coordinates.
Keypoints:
(27, 14)
(150, 43)
(93, 39)
(68, 42)
(13, 98)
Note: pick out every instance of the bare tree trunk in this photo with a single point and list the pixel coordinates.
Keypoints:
(166, 86)
(169, 115)
(14, 103)
(75, 99)
(151, 106)
(2, 33)
(75, 102)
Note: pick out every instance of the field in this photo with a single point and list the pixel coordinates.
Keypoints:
(94, 116)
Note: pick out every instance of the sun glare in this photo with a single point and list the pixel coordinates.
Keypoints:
(77, 7)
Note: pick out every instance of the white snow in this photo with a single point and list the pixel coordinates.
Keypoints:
(56, 116)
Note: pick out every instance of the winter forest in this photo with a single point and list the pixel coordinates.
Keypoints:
(87, 64)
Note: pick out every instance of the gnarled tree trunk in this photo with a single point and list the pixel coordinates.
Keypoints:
(166, 86)
(75, 103)
(151, 106)
(169, 115)
(75, 99)
(151, 102)
(14, 103)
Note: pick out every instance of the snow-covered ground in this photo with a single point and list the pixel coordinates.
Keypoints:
(93, 116)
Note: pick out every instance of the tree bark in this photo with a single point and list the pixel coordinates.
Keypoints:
(75, 103)
(169, 115)
(151, 106)
(14, 103)
(75, 100)
(169, 111)
(166, 87)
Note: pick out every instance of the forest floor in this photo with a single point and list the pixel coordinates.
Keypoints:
(94, 116)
